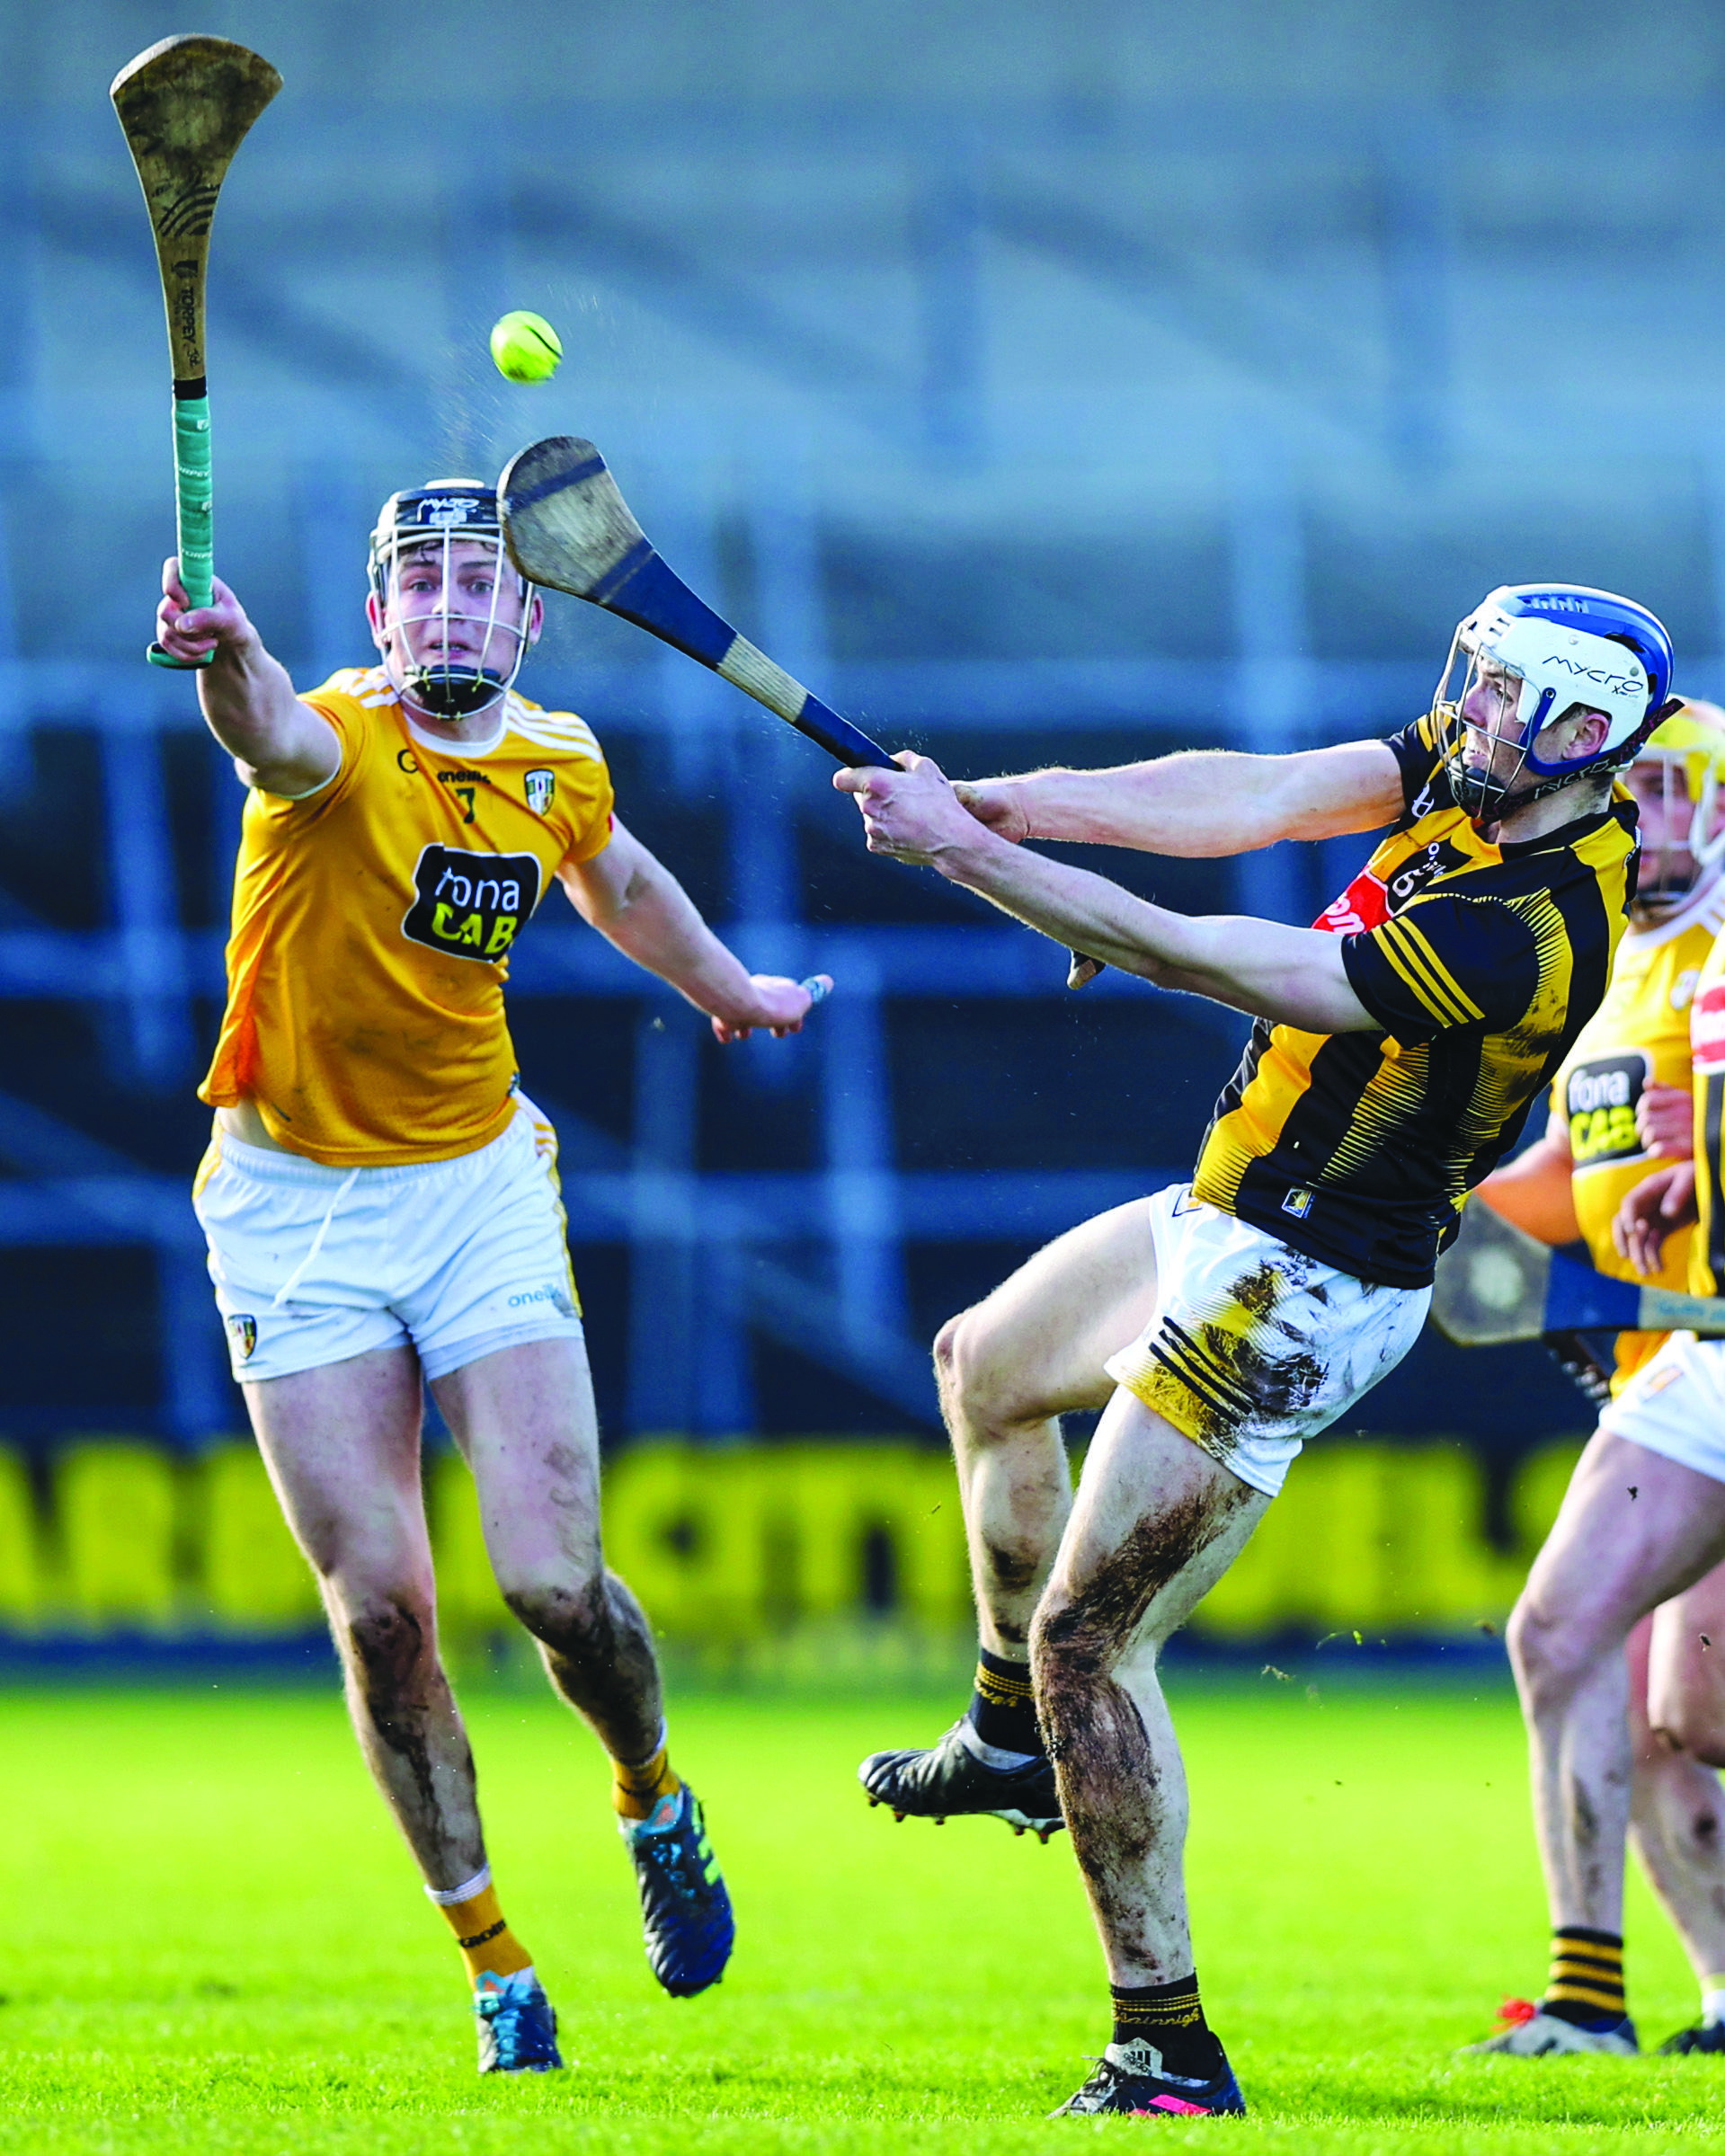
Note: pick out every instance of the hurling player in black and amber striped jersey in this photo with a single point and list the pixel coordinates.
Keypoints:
(1479, 959)
(1398, 1044)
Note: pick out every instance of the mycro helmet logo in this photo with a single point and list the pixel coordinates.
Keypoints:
(444, 509)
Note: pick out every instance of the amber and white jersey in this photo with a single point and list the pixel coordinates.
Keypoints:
(372, 923)
(1638, 1037)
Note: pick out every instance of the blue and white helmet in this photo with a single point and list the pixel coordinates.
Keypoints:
(1567, 646)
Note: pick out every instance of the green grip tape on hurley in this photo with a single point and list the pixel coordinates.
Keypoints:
(192, 515)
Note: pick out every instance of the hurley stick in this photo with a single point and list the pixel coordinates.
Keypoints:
(185, 106)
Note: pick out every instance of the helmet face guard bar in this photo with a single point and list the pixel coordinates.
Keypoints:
(475, 598)
(1529, 654)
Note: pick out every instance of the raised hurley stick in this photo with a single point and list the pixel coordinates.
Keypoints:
(567, 527)
(185, 106)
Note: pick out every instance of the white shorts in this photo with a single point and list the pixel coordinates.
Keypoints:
(1674, 1405)
(456, 1258)
(1255, 1347)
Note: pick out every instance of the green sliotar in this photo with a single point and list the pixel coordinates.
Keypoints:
(191, 491)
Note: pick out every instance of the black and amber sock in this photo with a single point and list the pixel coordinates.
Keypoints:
(638, 1785)
(1587, 1981)
(488, 1945)
(1003, 1705)
(1170, 2016)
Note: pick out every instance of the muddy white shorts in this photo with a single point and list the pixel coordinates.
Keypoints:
(1674, 1405)
(456, 1258)
(1255, 1347)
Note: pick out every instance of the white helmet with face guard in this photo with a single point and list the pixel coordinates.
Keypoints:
(1552, 648)
(451, 615)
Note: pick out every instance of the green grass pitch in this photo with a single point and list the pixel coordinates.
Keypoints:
(215, 1942)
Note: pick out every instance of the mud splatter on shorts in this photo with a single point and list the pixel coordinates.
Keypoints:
(1255, 1347)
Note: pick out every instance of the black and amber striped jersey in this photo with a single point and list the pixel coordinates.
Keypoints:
(1481, 964)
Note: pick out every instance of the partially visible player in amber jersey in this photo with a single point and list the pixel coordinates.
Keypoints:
(1707, 1048)
(1622, 1613)
(1619, 1106)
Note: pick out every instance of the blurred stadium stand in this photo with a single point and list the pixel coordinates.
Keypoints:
(1042, 382)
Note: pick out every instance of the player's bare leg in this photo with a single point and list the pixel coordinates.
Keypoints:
(342, 1445)
(525, 1421)
(1157, 1522)
(1008, 1370)
(1634, 1530)
(1676, 1659)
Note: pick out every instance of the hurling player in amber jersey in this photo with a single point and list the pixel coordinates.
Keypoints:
(1621, 1110)
(1221, 1323)
(381, 1201)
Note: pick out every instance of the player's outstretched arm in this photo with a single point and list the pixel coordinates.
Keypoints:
(1535, 1191)
(1294, 976)
(634, 900)
(279, 743)
(1199, 803)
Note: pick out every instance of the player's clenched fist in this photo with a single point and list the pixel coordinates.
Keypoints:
(780, 1005)
(913, 813)
(188, 632)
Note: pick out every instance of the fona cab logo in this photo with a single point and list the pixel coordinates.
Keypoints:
(471, 905)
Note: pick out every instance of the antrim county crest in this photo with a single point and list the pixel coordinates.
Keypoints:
(244, 1333)
(541, 787)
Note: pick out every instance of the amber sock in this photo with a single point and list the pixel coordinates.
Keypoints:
(1587, 1982)
(488, 1945)
(638, 1785)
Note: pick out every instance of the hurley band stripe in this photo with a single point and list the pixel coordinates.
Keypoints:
(620, 571)
(543, 489)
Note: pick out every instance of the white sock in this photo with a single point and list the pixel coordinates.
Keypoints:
(1713, 2001)
(446, 1897)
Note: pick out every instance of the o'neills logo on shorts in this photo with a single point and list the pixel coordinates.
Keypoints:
(471, 905)
(1707, 1028)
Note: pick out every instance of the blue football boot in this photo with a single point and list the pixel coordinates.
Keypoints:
(685, 1911)
(518, 2025)
(1706, 2036)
